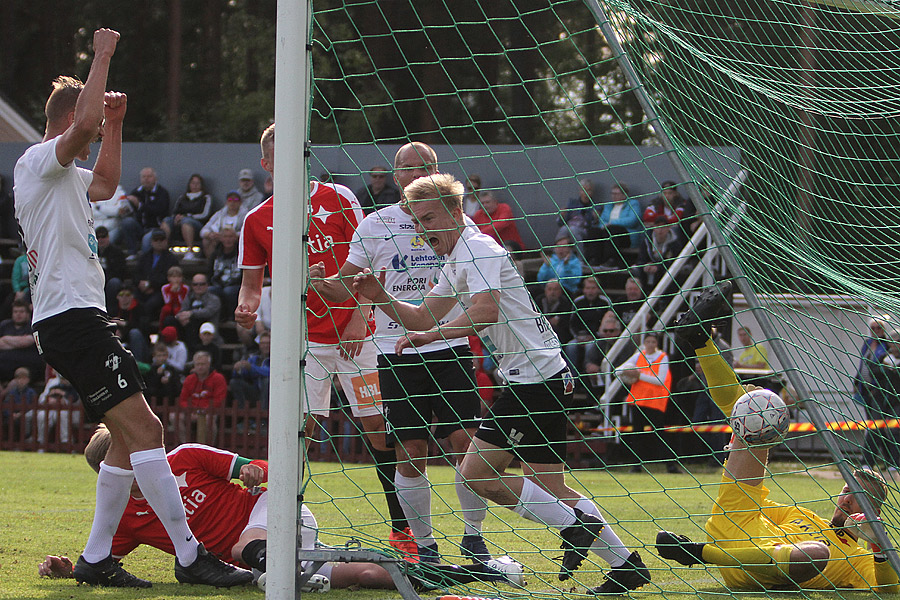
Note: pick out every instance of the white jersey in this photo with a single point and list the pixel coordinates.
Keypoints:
(525, 346)
(387, 239)
(57, 224)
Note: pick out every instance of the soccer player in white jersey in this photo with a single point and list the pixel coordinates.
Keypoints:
(528, 420)
(73, 332)
(434, 383)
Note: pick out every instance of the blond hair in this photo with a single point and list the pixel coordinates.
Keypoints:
(267, 141)
(63, 98)
(439, 186)
(96, 450)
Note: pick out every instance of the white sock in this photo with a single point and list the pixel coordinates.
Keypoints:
(414, 494)
(113, 490)
(474, 507)
(537, 505)
(608, 546)
(158, 485)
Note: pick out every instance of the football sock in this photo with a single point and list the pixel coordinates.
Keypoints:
(769, 560)
(158, 485)
(113, 491)
(415, 498)
(254, 555)
(386, 467)
(608, 546)
(537, 505)
(474, 507)
(720, 378)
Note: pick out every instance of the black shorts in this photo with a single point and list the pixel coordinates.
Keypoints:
(437, 388)
(81, 345)
(529, 419)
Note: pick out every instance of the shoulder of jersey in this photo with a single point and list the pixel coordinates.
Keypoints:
(259, 207)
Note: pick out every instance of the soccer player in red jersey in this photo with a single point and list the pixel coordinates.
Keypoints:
(339, 333)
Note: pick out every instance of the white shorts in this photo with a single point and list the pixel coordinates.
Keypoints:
(259, 513)
(358, 378)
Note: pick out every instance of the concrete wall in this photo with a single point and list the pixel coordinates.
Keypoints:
(535, 181)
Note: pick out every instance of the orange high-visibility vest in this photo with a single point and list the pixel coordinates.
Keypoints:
(651, 395)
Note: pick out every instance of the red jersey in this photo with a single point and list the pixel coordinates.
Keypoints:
(333, 217)
(208, 393)
(217, 509)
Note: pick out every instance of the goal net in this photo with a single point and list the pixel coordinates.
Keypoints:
(658, 147)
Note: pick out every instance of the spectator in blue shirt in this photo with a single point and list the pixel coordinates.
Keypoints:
(563, 265)
(250, 377)
(620, 227)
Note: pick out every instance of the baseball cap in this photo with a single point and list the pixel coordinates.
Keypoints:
(169, 334)
(207, 328)
(245, 174)
(233, 194)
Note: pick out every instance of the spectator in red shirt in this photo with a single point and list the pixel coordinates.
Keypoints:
(173, 294)
(203, 391)
(496, 220)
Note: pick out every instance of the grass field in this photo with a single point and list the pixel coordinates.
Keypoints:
(46, 503)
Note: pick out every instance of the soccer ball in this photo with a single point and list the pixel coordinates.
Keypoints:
(760, 418)
(511, 568)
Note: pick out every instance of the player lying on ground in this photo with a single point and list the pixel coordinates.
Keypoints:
(757, 543)
(231, 522)
(528, 420)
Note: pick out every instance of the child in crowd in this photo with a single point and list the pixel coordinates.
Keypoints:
(173, 294)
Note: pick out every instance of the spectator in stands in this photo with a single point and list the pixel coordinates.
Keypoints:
(200, 306)
(19, 280)
(109, 214)
(752, 355)
(211, 343)
(150, 203)
(659, 248)
(173, 295)
(627, 307)
(589, 309)
(496, 220)
(648, 370)
(115, 268)
(152, 273)
(178, 353)
(224, 271)
(250, 376)
(17, 345)
(563, 265)
(556, 305)
(127, 318)
(472, 200)
(9, 228)
(580, 217)
(191, 211)
(379, 193)
(250, 196)
(609, 331)
(202, 392)
(18, 392)
(619, 228)
(674, 209)
(58, 407)
(229, 217)
(163, 380)
(868, 391)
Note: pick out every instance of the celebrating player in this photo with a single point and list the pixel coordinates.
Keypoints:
(757, 543)
(73, 331)
(528, 420)
(339, 333)
(436, 382)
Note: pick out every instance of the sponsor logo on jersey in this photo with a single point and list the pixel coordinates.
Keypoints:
(568, 382)
(515, 437)
(407, 226)
(417, 242)
(112, 362)
(398, 263)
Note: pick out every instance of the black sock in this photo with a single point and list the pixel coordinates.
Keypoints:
(386, 466)
(254, 555)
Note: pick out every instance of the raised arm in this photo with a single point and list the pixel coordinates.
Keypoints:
(108, 168)
(89, 107)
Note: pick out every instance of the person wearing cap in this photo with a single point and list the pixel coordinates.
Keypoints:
(152, 272)
(755, 542)
(178, 353)
(231, 216)
(115, 268)
(379, 193)
(563, 264)
(250, 196)
(209, 343)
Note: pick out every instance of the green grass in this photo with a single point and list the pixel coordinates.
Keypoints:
(46, 504)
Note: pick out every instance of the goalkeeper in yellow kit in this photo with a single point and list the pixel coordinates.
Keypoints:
(757, 543)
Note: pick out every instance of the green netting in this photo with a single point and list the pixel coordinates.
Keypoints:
(775, 121)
